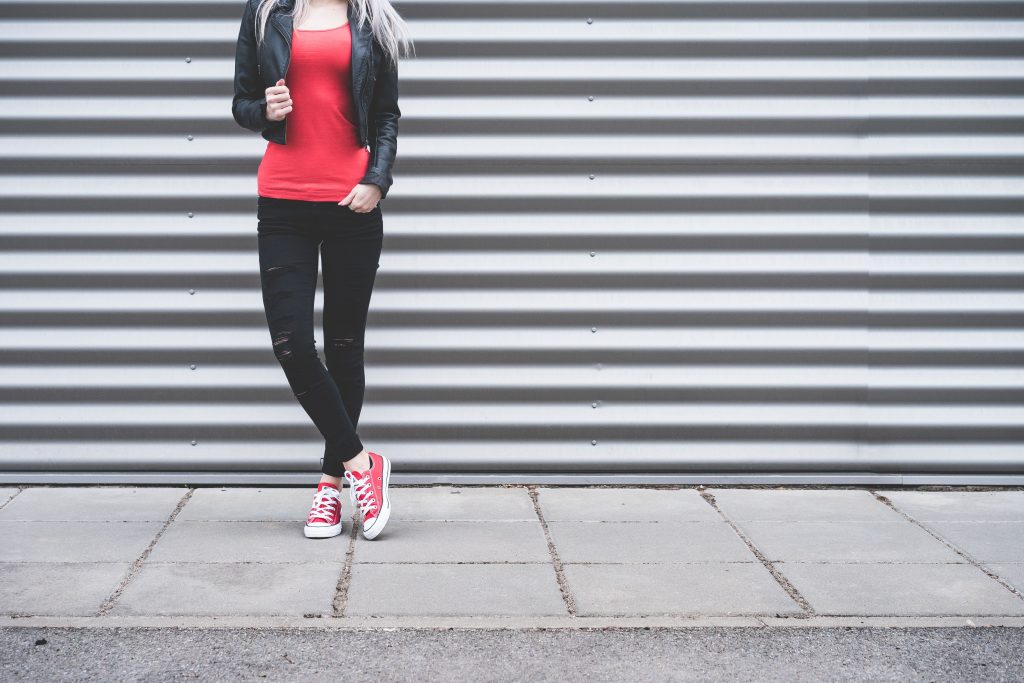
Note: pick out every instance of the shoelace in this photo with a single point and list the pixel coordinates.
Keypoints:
(323, 505)
(362, 492)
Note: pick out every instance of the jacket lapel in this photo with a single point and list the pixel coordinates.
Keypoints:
(282, 21)
(360, 50)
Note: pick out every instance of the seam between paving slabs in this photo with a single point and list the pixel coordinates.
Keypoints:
(340, 603)
(136, 566)
(563, 583)
(16, 494)
(884, 500)
(779, 577)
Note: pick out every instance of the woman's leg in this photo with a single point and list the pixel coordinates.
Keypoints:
(350, 251)
(288, 242)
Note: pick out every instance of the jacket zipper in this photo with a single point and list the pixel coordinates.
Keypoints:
(287, 63)
(367, 62)
(366, 134)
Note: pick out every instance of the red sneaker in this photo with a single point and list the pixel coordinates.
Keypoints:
(369, 490)
(324, 518)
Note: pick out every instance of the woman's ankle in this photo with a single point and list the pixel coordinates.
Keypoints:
(360, 462)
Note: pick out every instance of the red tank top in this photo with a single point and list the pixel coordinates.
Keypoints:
(322, 159)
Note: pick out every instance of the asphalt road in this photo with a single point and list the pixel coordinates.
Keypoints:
(676, 654)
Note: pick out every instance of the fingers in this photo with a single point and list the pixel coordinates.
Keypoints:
(357, 201)
(279, 97)
(276, 112)
(279, 101)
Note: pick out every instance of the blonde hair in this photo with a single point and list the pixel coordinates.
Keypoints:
(387, 25)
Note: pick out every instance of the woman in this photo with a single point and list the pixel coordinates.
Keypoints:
(318, 79)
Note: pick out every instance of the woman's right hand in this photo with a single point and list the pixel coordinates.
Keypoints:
(279, 101)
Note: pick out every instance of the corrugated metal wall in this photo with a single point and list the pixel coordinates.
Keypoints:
(633, 241)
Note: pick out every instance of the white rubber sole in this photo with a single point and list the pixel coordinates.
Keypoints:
(381, 520)
(322, 531)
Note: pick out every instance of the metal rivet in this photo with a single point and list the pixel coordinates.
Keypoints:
(589, 20)
(191, 291)
(190, 214)
(592, 253)
(192, 366)
(193, 443)
(593, 329)
(188, 60)
(594, 404)
(590, 98)
(591, 176)
(189, 137)
(593, 442)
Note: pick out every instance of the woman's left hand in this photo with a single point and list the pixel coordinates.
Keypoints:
(362, 199)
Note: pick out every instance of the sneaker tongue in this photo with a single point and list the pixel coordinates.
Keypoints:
(325, 484)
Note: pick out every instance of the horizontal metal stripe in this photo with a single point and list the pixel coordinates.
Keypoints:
(243, 339)
(427, 456)
(563, 70)
(836, 31)
(548, 262)
(551, 110)
(839, 188)
(545, 379)
(604, 149)
(746, 229)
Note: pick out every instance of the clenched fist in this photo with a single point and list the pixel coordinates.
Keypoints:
(279, 101)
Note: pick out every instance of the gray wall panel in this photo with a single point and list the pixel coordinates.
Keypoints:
(744, 242)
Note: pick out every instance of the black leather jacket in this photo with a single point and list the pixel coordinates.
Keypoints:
(374, 86)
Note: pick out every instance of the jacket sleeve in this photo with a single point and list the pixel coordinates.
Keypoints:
(384, 113)
(250, 101)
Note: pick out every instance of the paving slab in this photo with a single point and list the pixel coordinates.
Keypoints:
(900, 541)
(57, 588)
(1010, 572)
(266, 542)
(454, 590)
(249, 504)
(803, 505)
(449, 542)
(676, 589)
(643, 542)
(461, 503)
(227, 588)
(985, 541)
(960, 506)
(624, 505)
(93, 504)
(878, 589)
(75, 541)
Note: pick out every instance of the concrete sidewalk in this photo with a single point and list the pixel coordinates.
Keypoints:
(520, 555)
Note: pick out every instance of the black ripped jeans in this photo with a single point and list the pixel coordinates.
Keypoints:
(292, 233)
